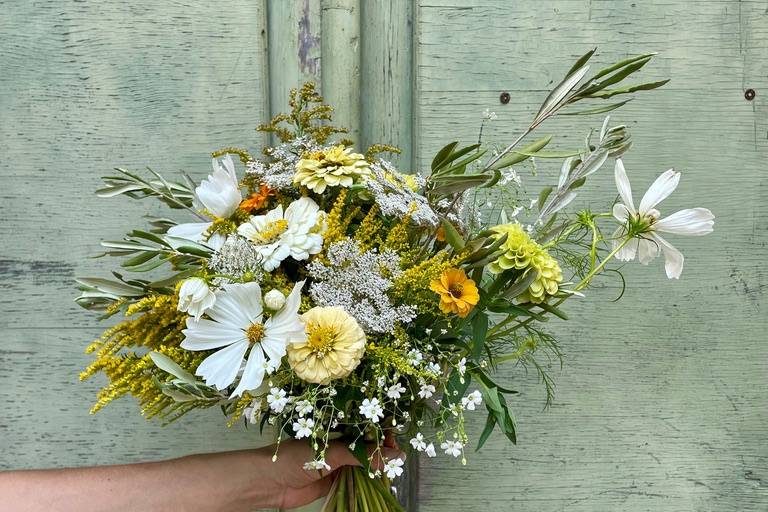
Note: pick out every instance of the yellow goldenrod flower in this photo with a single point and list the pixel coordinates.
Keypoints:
(334, 346)
(522, 252)
(458, 294)
(337, 166)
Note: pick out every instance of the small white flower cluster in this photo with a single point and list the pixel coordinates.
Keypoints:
(358, 282)
(236, 257)
(278, 174)
(395, 197)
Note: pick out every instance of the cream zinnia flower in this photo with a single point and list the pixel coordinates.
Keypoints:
(644, 224)
(333, 167)
(218, 195)
(279, 234)
(236, 325)
(332, 347)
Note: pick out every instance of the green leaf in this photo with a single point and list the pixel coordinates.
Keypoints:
(460, 166)
(168, 365)
(452, 235)
(620, 64)
(581, 61)
(443, 154)
(559, 94)
(552, 309)
(454, 184)
(195, 251)
(543, 195)
(112, 287)
(615, 78)
(490, 422)
(629, 89)
(515, 157)
(138, 259)
(597, 110)
(549, 154)
(479, 331)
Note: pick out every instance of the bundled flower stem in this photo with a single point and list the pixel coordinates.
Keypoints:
(323, 294)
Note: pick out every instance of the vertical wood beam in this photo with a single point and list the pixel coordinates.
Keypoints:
(340, 51)
(387, 78)
(294, 48)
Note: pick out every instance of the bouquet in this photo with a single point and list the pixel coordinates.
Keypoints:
(325, 295)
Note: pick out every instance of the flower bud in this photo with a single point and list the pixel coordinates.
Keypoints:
(274, 300)
(195, 297)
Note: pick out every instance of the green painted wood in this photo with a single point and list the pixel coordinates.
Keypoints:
(662, 401)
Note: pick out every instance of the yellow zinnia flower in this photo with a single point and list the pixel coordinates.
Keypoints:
(337, 166)
(458, 293)
(334, 346)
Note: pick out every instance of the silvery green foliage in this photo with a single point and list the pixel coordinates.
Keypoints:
(236, 257)
(278, 174)
(395, 198)
(358, 282)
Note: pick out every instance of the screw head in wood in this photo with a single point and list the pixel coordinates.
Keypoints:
(504, 98)
(749, 94)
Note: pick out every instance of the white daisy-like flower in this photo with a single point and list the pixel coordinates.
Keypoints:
(415, 357)
(279, 234)
(472, 400)
(236, 326)
(303, 427)
(393, 468)
(218, 195)
(430, 450)
(427, 390)
(462, 366)
(277, 399)
(645, 224)
(395, 391)
(303, 407)
(317, 464)
(195, 297)
(434, 369)
(372, 410)
(418, 442)
(452, 448)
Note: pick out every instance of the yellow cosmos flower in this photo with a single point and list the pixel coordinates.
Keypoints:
(337, 166)
(458, 293)
(334, 346)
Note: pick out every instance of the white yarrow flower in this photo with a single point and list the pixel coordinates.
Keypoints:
(393, 468)
(372, 410)
(395, 391)
(279, 234)
(236, 326)
(452, 448)
(645, 222)
(195, 297)
(303, 427)
(218, 195)
(472, 400)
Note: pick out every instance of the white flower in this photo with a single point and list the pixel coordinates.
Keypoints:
(462, 366)
(645, 224)
(303, 407)
(195, 297)
(277, 399)
(372, 410)
(426, 391)
(488, 115)
(452, 448)
(218, 195)
(455, 409)
(430, 450)
(393, 468)
(279, 234)
(472, 400)
(317, 464)
(253, 412)
(418, 442)
(303, 427)
(274, 299)
(434, 369)
(395, 391)
(415, 357)
(235, 327)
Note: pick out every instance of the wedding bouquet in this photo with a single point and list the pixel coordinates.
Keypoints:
(326, 294)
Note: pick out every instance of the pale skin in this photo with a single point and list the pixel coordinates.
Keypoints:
(244, 480)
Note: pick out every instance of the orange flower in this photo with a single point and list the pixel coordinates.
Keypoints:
(458, 293)
(257, 200)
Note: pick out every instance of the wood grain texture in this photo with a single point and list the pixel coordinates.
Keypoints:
(662, 401)
(85, 87)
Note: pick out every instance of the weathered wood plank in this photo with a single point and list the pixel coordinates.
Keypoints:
(662, 400)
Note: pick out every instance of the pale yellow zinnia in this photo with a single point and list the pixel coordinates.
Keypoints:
(333, 348)
(332, 167)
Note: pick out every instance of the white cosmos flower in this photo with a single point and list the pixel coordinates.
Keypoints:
(279, 234)
(646, 224)
(219, 195)
(195, 297)
(236, 325)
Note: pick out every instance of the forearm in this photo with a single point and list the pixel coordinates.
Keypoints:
(213, 482)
